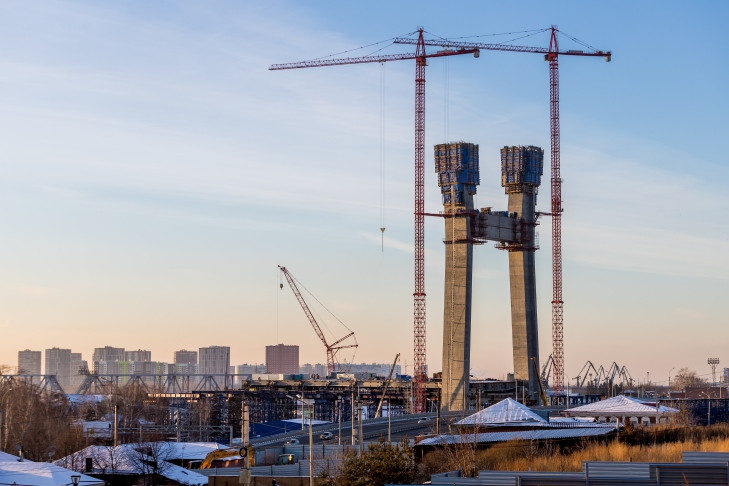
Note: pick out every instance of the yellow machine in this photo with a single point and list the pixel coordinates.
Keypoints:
(244, 453)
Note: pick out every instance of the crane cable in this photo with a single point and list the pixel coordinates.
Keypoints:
(446, 101)
(382, 156)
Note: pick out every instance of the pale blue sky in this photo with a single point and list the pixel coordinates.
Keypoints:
(153, 173)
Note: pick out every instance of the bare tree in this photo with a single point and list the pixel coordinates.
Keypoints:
(148, 458)
(686, 378)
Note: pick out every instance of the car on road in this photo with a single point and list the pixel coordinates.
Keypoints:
(423, 419)
(326, 436)
(292, 442)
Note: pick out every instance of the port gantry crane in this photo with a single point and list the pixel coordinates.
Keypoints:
(551, 55)
(332, 348)
(420, 57)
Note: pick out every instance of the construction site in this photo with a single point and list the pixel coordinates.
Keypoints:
(512, 230)
(531, 379)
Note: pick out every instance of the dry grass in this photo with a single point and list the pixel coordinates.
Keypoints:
(658, 444)
(613, 451)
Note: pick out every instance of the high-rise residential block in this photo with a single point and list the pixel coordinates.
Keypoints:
(140, 355)
(107, 354)
(282, 358)
(184, 356)
(214, 360)
(58, 362)
(29, 362)
(78, 367)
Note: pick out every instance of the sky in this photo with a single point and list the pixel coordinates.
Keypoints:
(154, 173)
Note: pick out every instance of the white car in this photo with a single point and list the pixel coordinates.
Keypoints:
(326, 436)
(292, 442)
(423, 419)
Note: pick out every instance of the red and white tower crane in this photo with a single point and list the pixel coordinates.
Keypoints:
(551, 55)
(419, 351)
(332, 348)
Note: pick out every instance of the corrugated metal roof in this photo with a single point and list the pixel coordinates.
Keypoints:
(613, 469)
(694, 457)
(537, 434)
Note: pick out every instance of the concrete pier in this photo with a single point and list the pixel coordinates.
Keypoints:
(457, 168)
(521, 170)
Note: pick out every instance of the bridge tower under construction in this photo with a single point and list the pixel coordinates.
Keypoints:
(521, 174)
(457, 166)
(458, 175)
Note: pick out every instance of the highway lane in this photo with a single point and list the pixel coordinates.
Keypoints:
(400, 426)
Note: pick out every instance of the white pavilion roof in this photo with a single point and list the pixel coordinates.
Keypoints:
(619, 406)
(507, 411)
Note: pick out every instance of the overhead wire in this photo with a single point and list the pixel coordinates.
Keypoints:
(364, 47)
(528, 33)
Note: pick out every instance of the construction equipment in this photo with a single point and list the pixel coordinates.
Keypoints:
(333, 348)
(551, 55)
(420, 57)
(384, 388)
(542, 395)
(238, 456)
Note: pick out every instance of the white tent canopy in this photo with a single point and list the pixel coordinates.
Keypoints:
(506, 412)
(620, 407)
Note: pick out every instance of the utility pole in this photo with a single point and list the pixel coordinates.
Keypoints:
(245, 473)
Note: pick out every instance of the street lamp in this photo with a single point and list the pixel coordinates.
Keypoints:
(669, 381)
(310, 405)
(75, 479)
(339, 410)
(713, 362)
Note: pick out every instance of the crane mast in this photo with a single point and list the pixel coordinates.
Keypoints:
(556, 209)
(420, 57)
(419, 348)
(331, 348)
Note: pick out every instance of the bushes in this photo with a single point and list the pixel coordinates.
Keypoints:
(381, 463)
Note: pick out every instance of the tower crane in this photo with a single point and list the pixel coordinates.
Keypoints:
(420, 57)
(551, 55)
(332, 348)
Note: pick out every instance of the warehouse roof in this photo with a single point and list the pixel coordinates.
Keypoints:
(535, 434)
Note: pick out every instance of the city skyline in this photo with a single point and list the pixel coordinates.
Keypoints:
(154, 173)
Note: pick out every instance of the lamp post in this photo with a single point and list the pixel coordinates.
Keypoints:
(713, 362)
(310, 405)
(339, 406)
(669, 381)
(75, 479)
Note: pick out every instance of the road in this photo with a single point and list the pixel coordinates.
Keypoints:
(400, 426)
